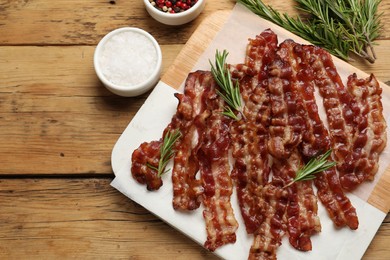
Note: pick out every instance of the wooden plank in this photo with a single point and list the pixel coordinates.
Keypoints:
(58, 119)
(39, 87)
(67, 218)
(42, 22)
(41, 124)
(379, 248)
(73, 218)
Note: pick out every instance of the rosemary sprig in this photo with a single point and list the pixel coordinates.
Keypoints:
(314, 166)
(341, 27)
(229, 92)
(166, 151)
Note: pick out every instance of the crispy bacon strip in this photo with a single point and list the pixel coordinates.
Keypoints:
(287, 122)
(268, 237)
(191, 115)
(302, 215)
(337, 204)
(348, 119)
(213, 155)
(259, 54)
(301, 211)
(203, 146)
(370, 138)
(341, 108)
(147, 153)
(250, 171)
(338, 103)
(316, 140)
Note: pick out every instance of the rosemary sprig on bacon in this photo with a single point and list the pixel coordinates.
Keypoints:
(230, 92)
(166, 151)
(340, 26)
(314, 166)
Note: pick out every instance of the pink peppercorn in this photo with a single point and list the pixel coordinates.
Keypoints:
(173, 6)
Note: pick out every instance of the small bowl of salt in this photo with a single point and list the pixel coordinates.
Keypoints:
(128, 61)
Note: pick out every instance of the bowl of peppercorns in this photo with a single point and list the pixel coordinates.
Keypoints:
(174, 12)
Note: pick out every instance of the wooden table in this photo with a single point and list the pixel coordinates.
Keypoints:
(59, 125)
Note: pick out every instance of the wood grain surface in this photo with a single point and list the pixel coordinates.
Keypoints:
(85, 217)
(59, 125)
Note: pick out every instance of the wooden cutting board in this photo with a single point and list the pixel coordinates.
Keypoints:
(216, 32)
(196, 45)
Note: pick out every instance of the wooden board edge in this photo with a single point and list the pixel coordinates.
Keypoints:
(380, 196)
(193, 49)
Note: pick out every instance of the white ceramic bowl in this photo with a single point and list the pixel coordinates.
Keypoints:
(177, 18)
(128, 61)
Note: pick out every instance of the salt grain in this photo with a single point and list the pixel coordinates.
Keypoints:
(128, 58)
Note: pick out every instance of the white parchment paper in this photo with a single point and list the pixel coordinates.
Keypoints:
(330, 244)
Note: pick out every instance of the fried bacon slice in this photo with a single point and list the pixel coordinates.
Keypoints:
(337, 204)
(213, 155)
(190, 118)
(249, 137)
(354, 115)
(301, 212)
(192, 111)
(203, 147)
(260, 52)
(370, 138)
(339, 106)
(147, 153)
(316, 140)
(315, 137)
(251, 170)
(286, 127)
(302, 208)
(267, 238)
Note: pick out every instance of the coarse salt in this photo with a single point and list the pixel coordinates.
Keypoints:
(128, 58)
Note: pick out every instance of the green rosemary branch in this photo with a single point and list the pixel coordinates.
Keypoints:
(314, 166)
(339, 26)
(230, 92)
(166, 151)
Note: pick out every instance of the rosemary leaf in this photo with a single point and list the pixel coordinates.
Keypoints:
(229, 113)
(166, 151)
(314, 166)
(229, 91)
(341, 27)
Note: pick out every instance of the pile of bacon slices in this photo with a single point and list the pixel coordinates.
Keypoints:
(260, 154)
